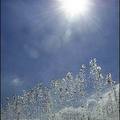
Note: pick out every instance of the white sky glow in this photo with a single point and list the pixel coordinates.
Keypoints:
(73, 8)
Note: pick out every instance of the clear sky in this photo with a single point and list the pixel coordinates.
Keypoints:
(39, 43)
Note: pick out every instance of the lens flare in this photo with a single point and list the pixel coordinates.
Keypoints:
(74, 8)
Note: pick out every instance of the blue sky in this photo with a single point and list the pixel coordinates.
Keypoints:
(40, 44)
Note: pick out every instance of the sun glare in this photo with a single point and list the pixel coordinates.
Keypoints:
(73, 8)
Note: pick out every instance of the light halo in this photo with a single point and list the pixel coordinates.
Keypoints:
(75, 8)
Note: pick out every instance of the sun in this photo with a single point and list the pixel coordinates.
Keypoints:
(73, 8)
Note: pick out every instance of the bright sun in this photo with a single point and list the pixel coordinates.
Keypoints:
(73, 8)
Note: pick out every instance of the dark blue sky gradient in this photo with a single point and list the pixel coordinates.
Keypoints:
(34, 48)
